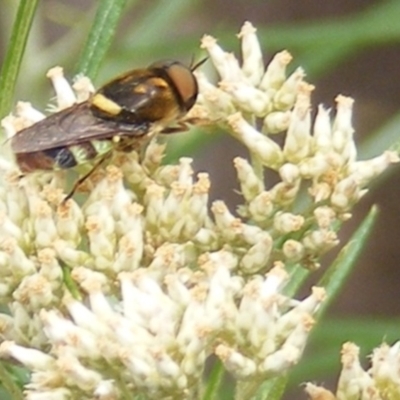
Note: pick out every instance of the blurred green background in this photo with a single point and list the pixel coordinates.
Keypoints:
(348, 47)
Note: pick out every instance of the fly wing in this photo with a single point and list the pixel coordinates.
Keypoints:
(72, 126)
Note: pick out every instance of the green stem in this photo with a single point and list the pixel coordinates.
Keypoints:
(15, 52)
(100, 36)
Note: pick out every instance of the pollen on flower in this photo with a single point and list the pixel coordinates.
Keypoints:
(93, 224)
(114, 174)
(318, 393)
(90, 281)
(207, 41)
(178, 189)
(134, 209)
(246, 29)
(284, 58)
(127, 246)
(46, 256)
(43, 210)
(54, 195)
(350, 353)
(319, 293)
(83, 88)
(308, 322)
(202, 186)
(8, 245)
(64, 208)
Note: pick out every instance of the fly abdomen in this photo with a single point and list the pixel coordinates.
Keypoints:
(62, 156)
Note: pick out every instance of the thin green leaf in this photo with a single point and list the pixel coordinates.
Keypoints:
(8, 382)
(339, 270)
(159, 18)
(298, 274)
(214, 381)
(100, 36)
(15, 52)
(273, 389)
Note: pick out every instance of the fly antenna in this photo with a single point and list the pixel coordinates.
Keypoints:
(198, 64)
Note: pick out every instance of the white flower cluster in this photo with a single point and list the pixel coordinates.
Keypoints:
(130, 292)
(255, 104)
(381, 381)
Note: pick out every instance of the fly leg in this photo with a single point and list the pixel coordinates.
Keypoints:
(86, 176)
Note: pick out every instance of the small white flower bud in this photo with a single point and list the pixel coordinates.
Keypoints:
(251, 185)
(350, 383)
(230, 226)
(365, 171)
(197, 207)
(318, 393)
(153, 156)
(289, 173)
(384, 370)
(100, 230)
(83, 88)
(320, 241)
(27, 112)
(322, 131)
(253, 64)
(9, 124)
(325, 217)
(218, 103)
(286, 222)
(293, 250)
(65, 95)
(69, 254)
(31, 358)
(8, 229)
(106, 390)
(44, 225)
(62, 331)
(342, 130)
(296, 315)
(320, 191)
(236, 363)
(345, 194)
(284, 194)
(267, 150)
(247, 98)
(225, 63)
(276, 122)
(298, 138)
(275, 74)
(291, 350)
(50, 269)
(69, 222)
(285, 97)
(261, 207)
(84, 378)
(84, 318)
(35, 292)
(314, 167)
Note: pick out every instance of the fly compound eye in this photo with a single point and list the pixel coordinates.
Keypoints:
(185, 83)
